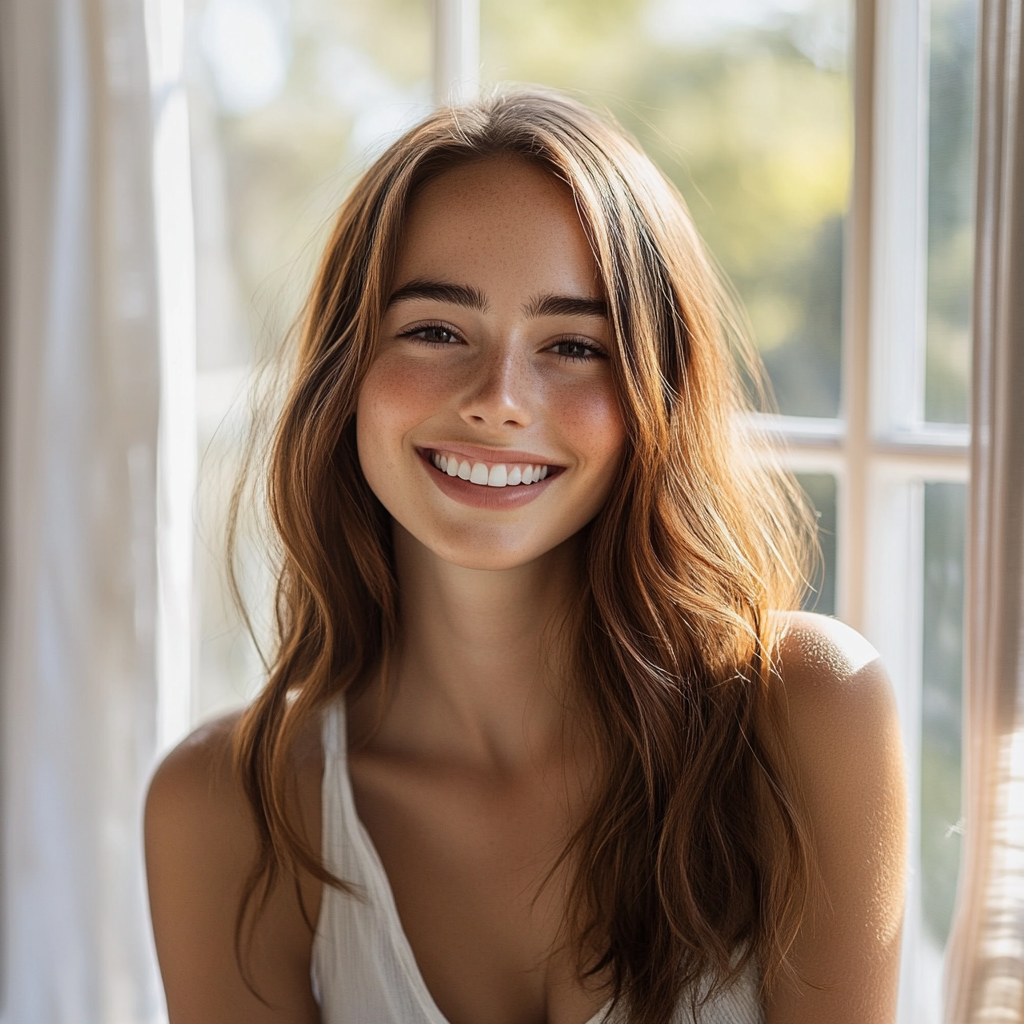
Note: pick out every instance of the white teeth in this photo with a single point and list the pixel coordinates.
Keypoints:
(497, 475)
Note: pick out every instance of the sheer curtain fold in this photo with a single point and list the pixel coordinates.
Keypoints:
(79, 396)
(985, 962)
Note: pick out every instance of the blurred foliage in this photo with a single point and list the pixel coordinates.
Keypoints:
(945, 520)
(755, 134)
(356, 73)
(950, 208)
(751, 121)
(753, 131)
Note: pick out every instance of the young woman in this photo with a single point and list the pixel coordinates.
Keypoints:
(543, 741)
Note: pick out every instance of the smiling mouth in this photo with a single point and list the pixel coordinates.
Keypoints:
(497, 474)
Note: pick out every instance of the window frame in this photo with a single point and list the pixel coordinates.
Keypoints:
(880, 449)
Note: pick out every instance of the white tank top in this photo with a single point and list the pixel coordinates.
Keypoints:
(363, 968)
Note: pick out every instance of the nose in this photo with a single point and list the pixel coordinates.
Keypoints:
(499, 393)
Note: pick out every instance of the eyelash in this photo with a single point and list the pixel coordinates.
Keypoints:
(589, 347)
(423, 328)
(594, 352)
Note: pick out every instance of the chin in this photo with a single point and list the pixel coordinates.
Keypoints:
(486, 555)
(484, 549)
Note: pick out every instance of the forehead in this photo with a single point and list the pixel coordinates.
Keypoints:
(502, 219)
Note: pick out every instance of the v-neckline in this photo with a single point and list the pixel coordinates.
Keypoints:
(381, 885)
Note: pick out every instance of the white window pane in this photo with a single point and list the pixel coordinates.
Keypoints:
(821, 491)
(941, 707)
(941, 721)
(746, 106)
(950, 207)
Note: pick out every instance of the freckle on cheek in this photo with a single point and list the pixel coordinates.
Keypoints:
(595, 419)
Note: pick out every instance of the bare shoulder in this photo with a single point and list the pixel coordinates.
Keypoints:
(838, 708)
(833, 688)
(201, 846)
(839, 713)
(822, 659)
(197, 779)
(197, 782)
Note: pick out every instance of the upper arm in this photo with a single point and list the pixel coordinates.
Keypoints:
(844, 740)
(200, 847)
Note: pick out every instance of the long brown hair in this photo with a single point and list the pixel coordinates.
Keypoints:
(694, 855)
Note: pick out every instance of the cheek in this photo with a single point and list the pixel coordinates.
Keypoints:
(385, 404)
(396, 396)
(589, 414)
(392, 393)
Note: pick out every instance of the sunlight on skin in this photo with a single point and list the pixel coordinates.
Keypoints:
(832, 644)
(499, 378)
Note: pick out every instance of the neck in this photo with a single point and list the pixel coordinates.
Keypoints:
(478, 674)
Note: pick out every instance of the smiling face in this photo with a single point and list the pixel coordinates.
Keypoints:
(488, 424)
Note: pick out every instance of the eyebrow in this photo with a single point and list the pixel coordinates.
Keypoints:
(473, 298)
(455, 294)
(567, 305)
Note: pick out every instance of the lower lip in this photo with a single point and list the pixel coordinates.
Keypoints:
(479, 496)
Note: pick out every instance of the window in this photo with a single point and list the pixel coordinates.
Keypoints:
(287, 101)
(824, 148)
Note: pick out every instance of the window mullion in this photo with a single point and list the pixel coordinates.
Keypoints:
(856, 328)
(899, 218)
(892, 479)
(456, 53)
(176, 640)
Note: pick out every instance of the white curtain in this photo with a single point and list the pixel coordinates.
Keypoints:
(985, 962)
(80, 375)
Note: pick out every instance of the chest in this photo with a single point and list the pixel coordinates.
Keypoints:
(473, 866)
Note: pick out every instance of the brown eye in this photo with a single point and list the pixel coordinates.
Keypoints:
(433, 334)
(576, 350)
(438, 335)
